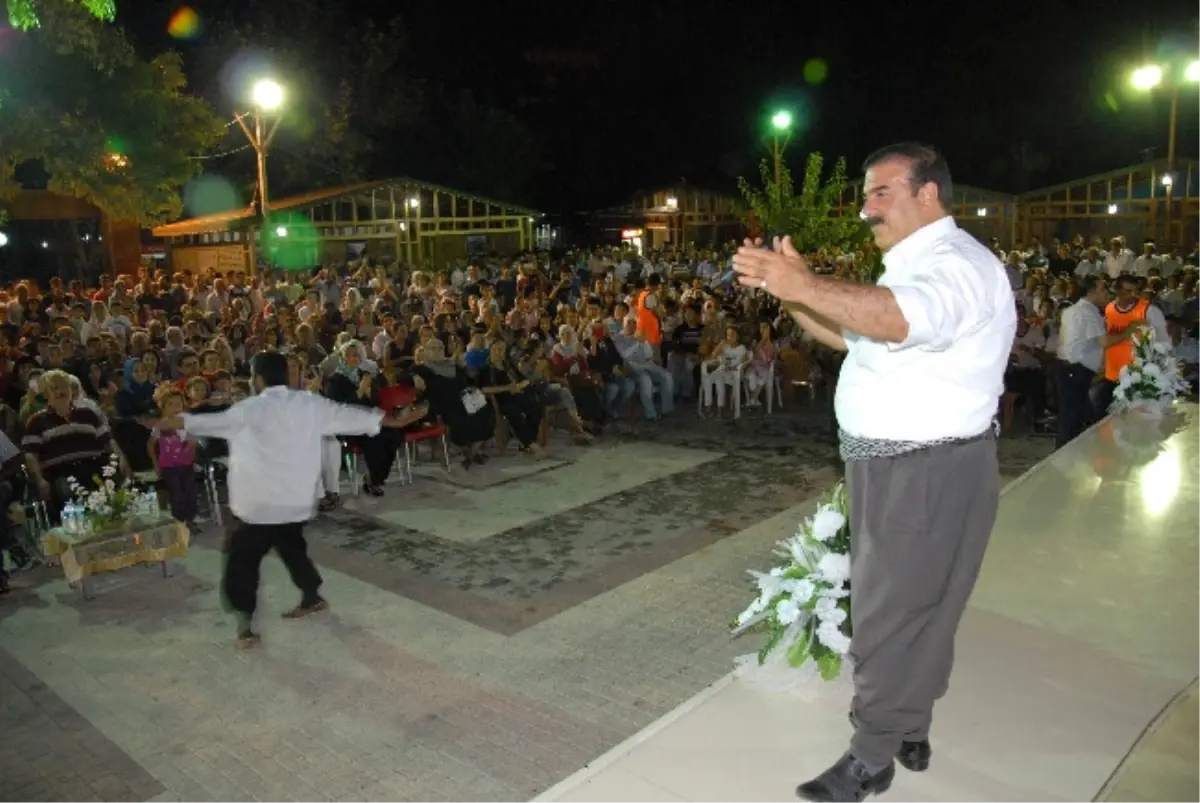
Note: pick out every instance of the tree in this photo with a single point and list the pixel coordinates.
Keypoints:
(23, 14)
(347, 97)
(357, 108)
(104, 124)
(809, 217)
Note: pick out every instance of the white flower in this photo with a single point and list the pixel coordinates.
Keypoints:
(827, 523)
(110, 486)
(109, 471)
(801, 590)
(832, 637)
(768, 584)
(834, 568)
(834, 615)
(788, 611)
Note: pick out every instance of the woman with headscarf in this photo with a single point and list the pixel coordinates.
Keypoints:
(350, 378)
(134, 400)
(517, 397)
(136, 396)
(453, 398)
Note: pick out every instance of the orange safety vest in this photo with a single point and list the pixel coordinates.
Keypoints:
(1118, 355)
(647, 322)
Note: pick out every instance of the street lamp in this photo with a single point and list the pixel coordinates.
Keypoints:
(781, 124)
(1172, 77)
(3, 239)
(266, 96)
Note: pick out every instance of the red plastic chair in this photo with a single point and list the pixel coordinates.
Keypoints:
(415, 436)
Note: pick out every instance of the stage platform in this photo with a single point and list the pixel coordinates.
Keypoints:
(1076, 658)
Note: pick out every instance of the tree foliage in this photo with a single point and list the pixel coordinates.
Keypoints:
(810, 215)
(356, 106)
(23, 14)
(104, 124)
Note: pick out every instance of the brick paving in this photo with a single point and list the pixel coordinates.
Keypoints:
(445, 670)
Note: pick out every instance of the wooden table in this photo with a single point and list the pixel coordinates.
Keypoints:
(128, 544)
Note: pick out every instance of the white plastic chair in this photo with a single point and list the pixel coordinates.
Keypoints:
(735, 391)
(774, 388)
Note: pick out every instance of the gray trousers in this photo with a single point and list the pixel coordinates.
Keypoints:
(919, 526)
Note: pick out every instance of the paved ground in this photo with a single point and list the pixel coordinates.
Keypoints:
(491, 631)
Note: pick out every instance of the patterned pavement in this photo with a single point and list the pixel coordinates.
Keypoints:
(531, 617)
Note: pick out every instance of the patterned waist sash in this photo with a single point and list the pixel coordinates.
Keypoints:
(852, 447)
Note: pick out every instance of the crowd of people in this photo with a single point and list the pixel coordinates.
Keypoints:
(495, 347)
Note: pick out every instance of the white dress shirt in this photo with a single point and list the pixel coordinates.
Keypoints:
(275, 449)
(1118, 263)
(1082, 329)
(946, 378)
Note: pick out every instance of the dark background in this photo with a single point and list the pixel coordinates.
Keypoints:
(1018, 94)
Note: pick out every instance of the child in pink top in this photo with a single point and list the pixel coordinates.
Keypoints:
(174, 459)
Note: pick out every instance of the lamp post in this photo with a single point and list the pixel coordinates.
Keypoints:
(1174, 76)
(1171, 77)
(781, 125)
(266, 96)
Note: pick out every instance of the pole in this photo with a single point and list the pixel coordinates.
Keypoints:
(260, 149)
(778, 188)
(1173, 124)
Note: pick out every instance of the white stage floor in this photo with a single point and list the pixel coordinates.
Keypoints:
(1082, 630)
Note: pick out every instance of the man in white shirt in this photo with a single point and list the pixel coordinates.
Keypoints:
(1093, 265)
(916, 400)
(275, 448)
(1081, 344)
(1118, 259)
(1149, 259)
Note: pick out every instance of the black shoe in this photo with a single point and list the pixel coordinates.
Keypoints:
(848, 779)
(372, 490)
(913, 756)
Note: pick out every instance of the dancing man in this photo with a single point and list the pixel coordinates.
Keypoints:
(275, 441)
(916, 400)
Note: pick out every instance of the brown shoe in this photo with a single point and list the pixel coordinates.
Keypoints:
(248, 641)
(300, 611)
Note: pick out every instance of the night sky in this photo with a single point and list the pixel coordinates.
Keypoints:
(1017, 94)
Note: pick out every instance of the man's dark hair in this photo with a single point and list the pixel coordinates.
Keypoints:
(925, 165)
(1088, 284)
(271, 366)
(1126, 280)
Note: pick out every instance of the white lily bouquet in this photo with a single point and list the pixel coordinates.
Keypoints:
(1152, 380)
(803, 605)
(107, 501)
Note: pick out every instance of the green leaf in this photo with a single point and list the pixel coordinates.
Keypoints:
(830, 665)
(798, 653)
(774, 636)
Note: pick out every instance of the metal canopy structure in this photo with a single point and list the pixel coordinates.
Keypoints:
(393, 219)
(1145, 201)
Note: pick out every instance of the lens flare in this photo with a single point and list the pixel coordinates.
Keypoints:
(184, 24)
(816, 71)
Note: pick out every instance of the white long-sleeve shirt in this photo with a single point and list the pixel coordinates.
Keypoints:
(1082, 330)
(945, 379)
(275, 449)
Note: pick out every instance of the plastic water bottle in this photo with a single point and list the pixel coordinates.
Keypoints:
(70, 517)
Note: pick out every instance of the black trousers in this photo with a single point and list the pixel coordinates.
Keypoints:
(379, 453)
(1075, 413)
(248, 544)
(523, 412)
(1102, 395)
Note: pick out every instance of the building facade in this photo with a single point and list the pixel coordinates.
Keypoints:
(679, 215)
(391, 220)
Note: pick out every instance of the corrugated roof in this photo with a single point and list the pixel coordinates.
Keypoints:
(222, 221)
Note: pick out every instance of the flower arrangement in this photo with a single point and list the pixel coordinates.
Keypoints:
(1151, 379)
(108, 502)
(803, 605)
